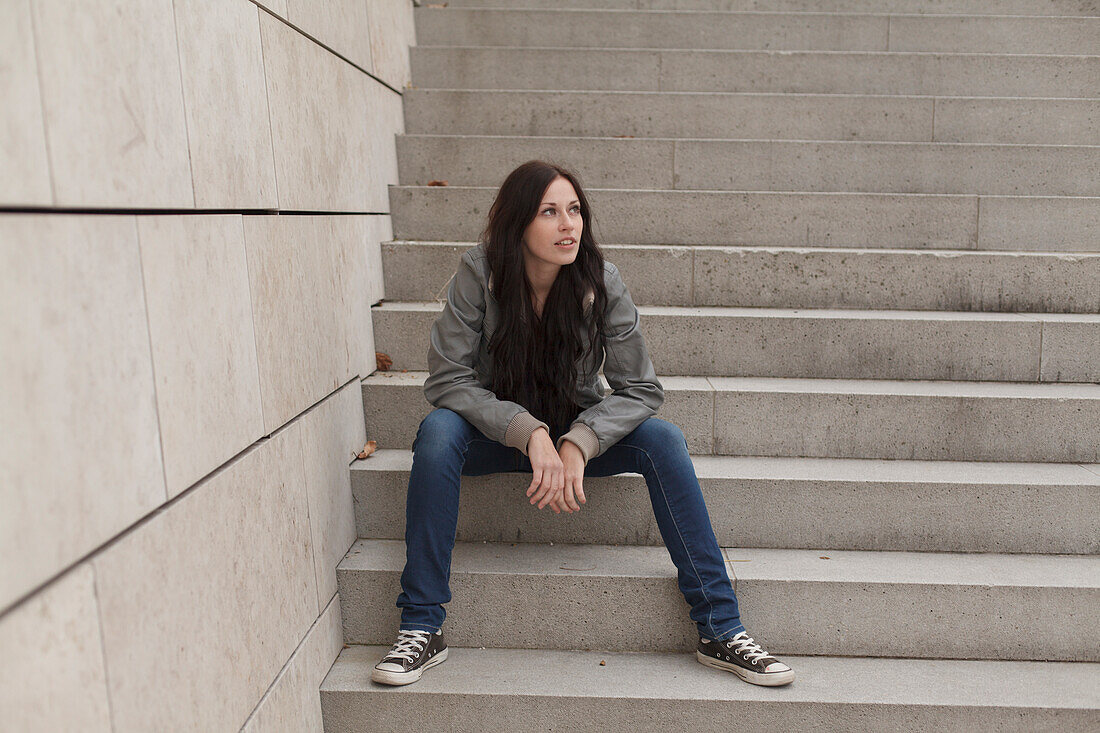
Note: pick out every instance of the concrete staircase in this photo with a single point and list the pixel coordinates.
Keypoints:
(864, 238)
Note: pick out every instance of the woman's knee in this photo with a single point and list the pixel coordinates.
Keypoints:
(658, 435)
(441, 430)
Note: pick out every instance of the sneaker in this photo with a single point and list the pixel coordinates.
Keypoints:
(413, 653)
(744, 657)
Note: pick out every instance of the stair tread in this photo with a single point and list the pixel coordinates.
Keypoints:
(777, 51)
(677, 676)
(770, 141)
(838, 313)
(747, 564)
(823, 470)
(718, 247)
(894, 387)
(742, 192)
(874, 56)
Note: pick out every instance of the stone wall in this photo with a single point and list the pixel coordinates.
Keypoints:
(192, 197)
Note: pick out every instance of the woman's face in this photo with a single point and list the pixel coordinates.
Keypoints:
(558, 219)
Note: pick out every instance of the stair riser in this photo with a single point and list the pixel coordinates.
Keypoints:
(622, 613)
(842, 155)
(825, 31)
(779, 513)
(758, 423)
(803, 278)
(906, 427)
(829, 348)
(344, 712)
(803, 72)
(909, 221)
(764, 165)
(961, 7)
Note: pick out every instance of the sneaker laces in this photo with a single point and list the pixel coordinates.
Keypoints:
(747, 646)
(410, 643)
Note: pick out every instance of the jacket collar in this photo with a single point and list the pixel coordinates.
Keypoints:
(589, 296)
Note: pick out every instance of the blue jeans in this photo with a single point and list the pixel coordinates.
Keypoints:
(447, 446)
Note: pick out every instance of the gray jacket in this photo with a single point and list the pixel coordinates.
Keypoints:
(458, 360)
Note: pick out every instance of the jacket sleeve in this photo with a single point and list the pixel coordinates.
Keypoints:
(453, 346)
(636, 391)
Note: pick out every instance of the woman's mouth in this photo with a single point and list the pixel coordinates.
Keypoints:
(565, 243)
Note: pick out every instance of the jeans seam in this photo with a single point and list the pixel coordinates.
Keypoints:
(465, 452)
(676, 524)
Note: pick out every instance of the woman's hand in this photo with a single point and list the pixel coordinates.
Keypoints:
(548, 478)
(573, 460)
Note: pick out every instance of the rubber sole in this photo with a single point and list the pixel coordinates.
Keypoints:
(775, 679)
(406, 678)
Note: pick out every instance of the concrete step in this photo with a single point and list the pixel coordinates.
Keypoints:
(766, 165)
(496, 689)
(807, 503)
(802, 277)
(853, 603)
(840, 150)
(581, 28)
(718, 341)
(996, 74)
(955, 7)
(640, 691)
(785, 219)
(831, 418)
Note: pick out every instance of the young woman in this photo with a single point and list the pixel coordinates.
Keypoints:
(531, 313)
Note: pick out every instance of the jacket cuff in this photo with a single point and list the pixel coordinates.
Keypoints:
(584, 438)
(519, 431)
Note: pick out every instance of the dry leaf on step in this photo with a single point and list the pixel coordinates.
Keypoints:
(437, 183)
(382, 361)
(370, 447)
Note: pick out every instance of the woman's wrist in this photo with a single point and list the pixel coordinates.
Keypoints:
(584, 438)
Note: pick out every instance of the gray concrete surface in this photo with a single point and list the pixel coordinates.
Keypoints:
(769, 218)
(855, 603)
(505, 689)
(818, 31)
(831, 418)
(801, 277)
(845, 146)
(823, 343)
(961, 7)
(810, 503)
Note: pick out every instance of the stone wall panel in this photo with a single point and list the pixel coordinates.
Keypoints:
(331, 434)
(26, 178)
(294, 702)
(202, 605)
(225, 96)
(81, 458)
(333, 126)
(204, 347)
(392, 31)
(52, 677)
(295, 309)
(339, 24)
(113, 103)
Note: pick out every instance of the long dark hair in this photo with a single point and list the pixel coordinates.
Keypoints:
(534, 360)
